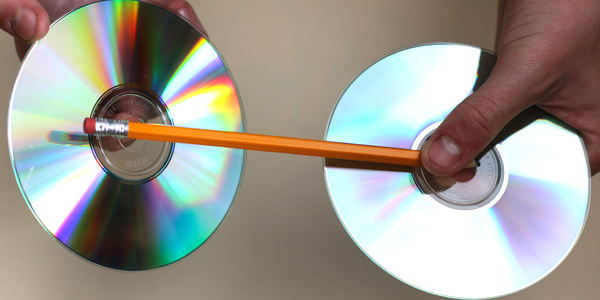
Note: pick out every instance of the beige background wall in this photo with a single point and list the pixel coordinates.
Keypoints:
(282, 239)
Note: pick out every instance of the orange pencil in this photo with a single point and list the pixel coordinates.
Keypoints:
(165, 133)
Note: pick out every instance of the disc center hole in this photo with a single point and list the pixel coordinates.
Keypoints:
(132, 160)
(132, 108)
(133, 111)
(464, 175)
(468, 189)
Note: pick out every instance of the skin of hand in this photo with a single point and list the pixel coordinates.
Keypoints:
(28, 20)
(548, 54)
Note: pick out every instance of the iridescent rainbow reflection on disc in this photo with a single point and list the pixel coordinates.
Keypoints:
(98, 217)
(475, 254)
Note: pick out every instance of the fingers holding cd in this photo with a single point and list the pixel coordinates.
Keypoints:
(29, 20)
(547, 55)
(472, 125)
(26, 20)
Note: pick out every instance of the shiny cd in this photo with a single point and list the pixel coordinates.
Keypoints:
(504, 230)
(124, 204)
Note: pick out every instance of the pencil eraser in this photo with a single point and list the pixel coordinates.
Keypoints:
(89, 125)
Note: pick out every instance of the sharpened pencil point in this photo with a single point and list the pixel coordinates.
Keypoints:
(472, 164)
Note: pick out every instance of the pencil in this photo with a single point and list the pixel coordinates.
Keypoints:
(248, 141)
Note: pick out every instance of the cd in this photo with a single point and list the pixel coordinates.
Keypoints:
(124, 204)
(496, 234)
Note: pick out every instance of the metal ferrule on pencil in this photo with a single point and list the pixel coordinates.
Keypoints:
(112, 128)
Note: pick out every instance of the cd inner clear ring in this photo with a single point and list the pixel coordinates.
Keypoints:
(481, 192)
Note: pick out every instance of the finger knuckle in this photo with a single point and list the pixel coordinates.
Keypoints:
(482, 119)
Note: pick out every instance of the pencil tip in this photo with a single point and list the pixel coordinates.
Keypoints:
(472, 164)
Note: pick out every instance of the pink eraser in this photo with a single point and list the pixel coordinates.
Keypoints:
(89, 125)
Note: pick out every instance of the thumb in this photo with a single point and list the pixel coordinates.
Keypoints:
(514, 84)
(26, 20)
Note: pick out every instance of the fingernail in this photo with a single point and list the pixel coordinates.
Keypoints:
(24, 23)
(444, 153)
(186, 12)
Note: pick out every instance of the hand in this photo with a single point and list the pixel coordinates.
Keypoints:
(28, 20)
(549, 55)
